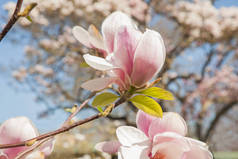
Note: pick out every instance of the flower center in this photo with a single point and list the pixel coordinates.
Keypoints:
(158, 155)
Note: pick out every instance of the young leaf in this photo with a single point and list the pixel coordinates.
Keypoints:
(157, 92)
(100, 109)
(84, 64)
(104, 99)
(29, 18)
(147, 105)
(71, 110)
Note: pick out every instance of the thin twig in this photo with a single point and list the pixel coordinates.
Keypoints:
(78, 109)
(15, 16)
(32, 148)
(67, 122)
(60, 130)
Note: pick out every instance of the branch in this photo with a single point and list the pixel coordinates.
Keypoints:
(16, 15)
(62, 129)
(121, 118)
(214, 122)
(186, 76)
(224, 58)
(209, 59)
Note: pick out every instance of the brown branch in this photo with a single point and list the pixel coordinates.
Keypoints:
(62, 129)
(214, 122)
(32, 148)
(185, 76)
(206, 64)
(15, 16)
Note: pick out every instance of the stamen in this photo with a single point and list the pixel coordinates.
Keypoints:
(158, 155)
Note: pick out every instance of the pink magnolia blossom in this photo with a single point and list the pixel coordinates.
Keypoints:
(130, 57)
(20, 129)
(156, 138)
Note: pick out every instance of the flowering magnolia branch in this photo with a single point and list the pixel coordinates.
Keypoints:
(16, 15)
(74, 110)
(65, 127)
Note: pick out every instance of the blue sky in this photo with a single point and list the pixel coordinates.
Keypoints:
(18, 103)
(14, 102)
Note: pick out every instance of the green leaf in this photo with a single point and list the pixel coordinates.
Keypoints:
(29, 18)
(157, 92)
(104, 99)
(100, 109)
(147, 105)
(84, 64)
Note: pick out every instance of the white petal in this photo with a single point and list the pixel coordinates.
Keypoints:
(128, 135)
(48, 147)
(134, 152)
(98, 83)
(81, 35)
(95, 37)
(35, 155)
(97, 63)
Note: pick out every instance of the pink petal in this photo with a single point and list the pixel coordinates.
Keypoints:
(169, 145)
(3, 156)
(14, 130)
(128, 135)
(196, 142)
(125, 43)
(143, 121)
(197, 152)
(110, 147)
(167, 137)
(171, 122)
(134, 152)
(81, 35)
(98, 83)
(123, 80)
(149, 58)
(97, 62)
(110, 26)
(169, 150)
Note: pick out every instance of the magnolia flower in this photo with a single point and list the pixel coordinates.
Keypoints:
(20, 129)
(156, 138)
(131, 58)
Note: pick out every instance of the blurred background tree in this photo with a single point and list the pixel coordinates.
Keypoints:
(201, 65)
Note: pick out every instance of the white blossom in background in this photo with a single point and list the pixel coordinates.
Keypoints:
(201, 17)
(20, 74)
(79, 8)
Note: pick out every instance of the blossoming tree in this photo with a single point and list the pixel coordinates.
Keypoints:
(195, 34)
